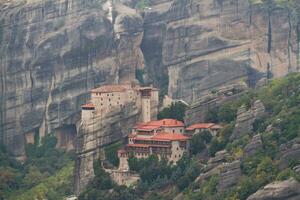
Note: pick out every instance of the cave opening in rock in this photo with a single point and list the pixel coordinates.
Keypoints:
(65, 136)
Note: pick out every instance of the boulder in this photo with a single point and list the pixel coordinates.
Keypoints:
(289, 152)
(246, 118)
(283, 190)
(229, 176)
(253, 146)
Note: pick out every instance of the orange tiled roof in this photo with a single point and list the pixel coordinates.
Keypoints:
(148, 127)
(88, 105)
(148, 139)
(131, 136)
(109, 88)
(160, 123)
(170, 136)
(216, 126)
(148, 145)
(200, 126)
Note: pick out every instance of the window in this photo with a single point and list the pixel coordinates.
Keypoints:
(109, 99)
(173, 131)
(107, 94)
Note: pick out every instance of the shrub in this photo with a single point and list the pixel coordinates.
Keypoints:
(111, 153)
(174, 111)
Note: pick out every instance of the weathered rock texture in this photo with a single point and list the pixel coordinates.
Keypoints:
(207, 43)
(52, 53)
(253, 146)
(246, 118)
(289, 152)
(100, 131)
(202, 104)
(229, 176)
(284, 190)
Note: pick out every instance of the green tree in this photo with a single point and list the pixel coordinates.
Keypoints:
(199, 141)
(174, 111)
(111, 153)
(33, 177)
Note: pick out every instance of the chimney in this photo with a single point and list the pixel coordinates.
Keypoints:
(164, 122)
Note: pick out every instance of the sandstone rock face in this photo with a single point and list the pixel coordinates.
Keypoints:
(100, 131)
(254, 146)
(205, 44)
(289, 152)
(284, 190)
(202, 104)
(220, 157)
(246, 118)
(52, 53)
(229, 176)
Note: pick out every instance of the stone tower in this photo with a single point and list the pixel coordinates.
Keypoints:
(146, 103)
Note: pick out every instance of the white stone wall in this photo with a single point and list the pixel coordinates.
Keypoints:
(123, 163)
(86, 116)
(105, 101)
(174, 130)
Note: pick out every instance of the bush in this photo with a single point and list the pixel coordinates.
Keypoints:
(286, 174)
(174, 111)
(139, 75)
(199, 141)
(111, 153)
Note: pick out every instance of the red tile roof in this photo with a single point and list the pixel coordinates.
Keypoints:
(159, 123)
(88, 105)
(200, 126)
(148, 139)
(147, 145)
(148, 127)
(131, 136)
(170, 136)
(216, 126)
(109, 88)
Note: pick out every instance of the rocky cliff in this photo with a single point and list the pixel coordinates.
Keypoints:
(95, 134)
(52, 53)
(207, 43)
(284, 190)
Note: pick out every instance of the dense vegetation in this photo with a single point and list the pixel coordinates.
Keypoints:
(282, 100)
(162, 181)
(47, 172)
(111, 153)
(174, 111)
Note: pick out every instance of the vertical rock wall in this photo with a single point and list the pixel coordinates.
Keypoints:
(205, 44)
(52, 53)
